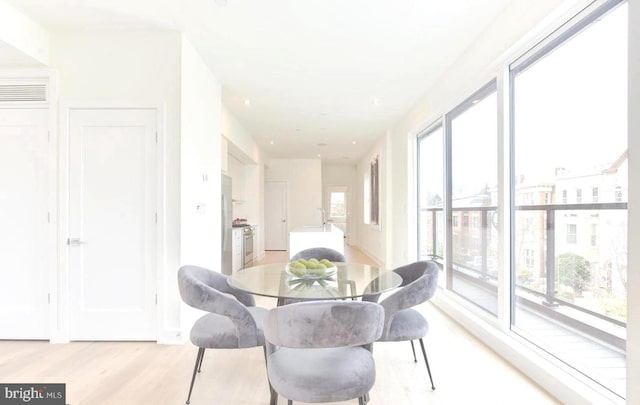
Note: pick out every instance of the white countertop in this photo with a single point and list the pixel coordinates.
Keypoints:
(317, 228)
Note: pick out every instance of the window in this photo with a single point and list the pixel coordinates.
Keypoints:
(529, 261)
(618, 194)
(374, 184)
(572, 233)
(570, 130)
(465, 220)
(472, 131)
(431, 194)
(366, 197)
(338, 206)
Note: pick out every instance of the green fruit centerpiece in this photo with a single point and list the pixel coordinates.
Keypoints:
(311, 268)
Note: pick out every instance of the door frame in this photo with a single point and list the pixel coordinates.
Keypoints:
(60, 330)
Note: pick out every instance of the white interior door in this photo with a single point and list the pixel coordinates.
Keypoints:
(275, 215)
(24, 196)
(112, 224)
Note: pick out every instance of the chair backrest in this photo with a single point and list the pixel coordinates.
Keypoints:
(207, 290)
(323, 324)
(319, 253)
(420, 281)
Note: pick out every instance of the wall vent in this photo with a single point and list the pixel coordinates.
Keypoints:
(23, 93)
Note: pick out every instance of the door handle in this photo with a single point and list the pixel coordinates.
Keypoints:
(75, 242)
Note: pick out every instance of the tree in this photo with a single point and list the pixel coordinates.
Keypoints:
(573, 270)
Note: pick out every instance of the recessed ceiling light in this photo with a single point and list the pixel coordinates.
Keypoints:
(247, 101)
(271, 142)
(376, 101)
(319, 155)
(353, 142)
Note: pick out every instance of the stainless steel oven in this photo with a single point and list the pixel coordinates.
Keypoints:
(247, 246)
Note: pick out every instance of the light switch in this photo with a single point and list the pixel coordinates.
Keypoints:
(201, 208)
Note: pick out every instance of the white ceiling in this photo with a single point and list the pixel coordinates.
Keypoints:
(315, 71)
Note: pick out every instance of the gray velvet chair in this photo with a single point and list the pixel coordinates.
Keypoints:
(233, 321)
(319, 253)
(419, 284)
(318, 351)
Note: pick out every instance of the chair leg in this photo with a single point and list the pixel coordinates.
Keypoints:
(195, 371)
(424, 353)
(289, 402)
(201, 358)
(361, 401)
(413, 349)
(274, 398)
(273, 394)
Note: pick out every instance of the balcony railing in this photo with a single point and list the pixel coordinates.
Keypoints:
(484, 276)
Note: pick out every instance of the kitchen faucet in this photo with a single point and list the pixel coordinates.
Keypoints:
(324, 216)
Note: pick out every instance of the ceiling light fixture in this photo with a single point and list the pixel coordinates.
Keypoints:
(353, 142)
(376, 101)
(271, 142)
(247, 101)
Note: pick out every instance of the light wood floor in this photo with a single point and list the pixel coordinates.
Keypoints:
(121, 373)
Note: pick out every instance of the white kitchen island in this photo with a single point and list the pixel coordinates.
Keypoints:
(305, 237)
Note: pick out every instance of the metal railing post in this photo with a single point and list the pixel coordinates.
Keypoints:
(484, 242)
(551, 258)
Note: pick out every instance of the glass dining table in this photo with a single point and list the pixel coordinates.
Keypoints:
(350, 280)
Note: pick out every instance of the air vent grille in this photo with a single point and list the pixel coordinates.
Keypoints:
(23, 93)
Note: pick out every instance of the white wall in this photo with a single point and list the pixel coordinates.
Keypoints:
(633, 280)
(304, 193)
(200, 237)
(200, 162)
(372, 239)
(21, 34)
(141, 68)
